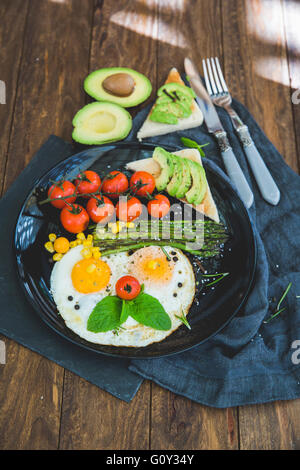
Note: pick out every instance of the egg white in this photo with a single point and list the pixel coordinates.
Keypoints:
(132, 333)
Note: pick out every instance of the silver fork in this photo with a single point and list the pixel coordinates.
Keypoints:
(219, 93)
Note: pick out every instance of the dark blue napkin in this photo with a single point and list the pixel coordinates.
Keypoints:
(249, 361)
(19, 322)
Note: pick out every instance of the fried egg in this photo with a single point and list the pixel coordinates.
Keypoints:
(78, 284)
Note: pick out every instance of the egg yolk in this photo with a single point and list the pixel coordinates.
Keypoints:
(157, 269)
(90, 275)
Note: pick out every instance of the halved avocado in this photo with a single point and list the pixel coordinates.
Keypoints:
(93, 85)
(99, 123)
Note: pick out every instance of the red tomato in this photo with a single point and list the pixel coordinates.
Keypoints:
(128, 209)
(114, 184)
(100, 210)
(59, 190)
(142, 183)
(128, 287)
(87, 182)
(74, 219)
(159, 206)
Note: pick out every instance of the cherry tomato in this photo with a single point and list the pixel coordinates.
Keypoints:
(87, 182)
(128, 209)
(159, 206)
(128, 287)
(74, 219)
(142, 183)
(59, 190)
(114, 184)
(100, 209)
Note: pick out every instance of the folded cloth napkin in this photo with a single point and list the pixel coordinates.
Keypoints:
(17, 318)
(249, 361)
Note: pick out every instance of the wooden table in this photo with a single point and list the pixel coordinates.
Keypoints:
(47, 48)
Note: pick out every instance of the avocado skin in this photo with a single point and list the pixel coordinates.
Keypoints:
(83, 136)
(198, 189)
(176, 179)
(142, 91)
(165, 161)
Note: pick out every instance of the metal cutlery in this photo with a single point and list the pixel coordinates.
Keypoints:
(215, 127)
(220, 96)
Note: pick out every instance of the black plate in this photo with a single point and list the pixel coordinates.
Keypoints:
(213, 307)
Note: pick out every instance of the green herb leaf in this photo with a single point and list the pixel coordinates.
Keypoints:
(149, 312)
(193, 144)
(166, 253)
(284, 295)
(184, 320)
(275, 315)
(106, 315)
(219, 277)
(127, 307)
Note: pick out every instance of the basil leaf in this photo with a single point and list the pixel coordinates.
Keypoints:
(193, 144)
(126, 311)
(106, 315)
(149, 312)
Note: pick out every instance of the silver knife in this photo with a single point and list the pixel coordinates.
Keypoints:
(215, 127)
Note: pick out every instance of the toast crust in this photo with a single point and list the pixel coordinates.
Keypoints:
(152, 129)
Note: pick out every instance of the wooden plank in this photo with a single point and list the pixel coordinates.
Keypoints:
(56, 49)
(13, 19)
(256, 69)
(55, 61)
(179, 424)
(271, 426)
(95, 420)
(185, 28)
(124, 34)
(30, 400)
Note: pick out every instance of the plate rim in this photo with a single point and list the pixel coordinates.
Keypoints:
(32, 301)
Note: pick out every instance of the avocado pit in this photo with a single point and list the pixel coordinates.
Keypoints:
(119, 84)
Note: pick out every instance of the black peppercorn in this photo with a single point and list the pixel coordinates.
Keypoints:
(70, 298)
(175, 259)
(77, 307)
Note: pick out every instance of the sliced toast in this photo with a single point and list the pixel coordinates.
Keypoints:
(207, 207)
(152, 129)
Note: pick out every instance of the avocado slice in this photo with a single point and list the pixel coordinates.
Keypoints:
(171, 89)
(141, 91)
(176, 180)
(99, 123)
(169, 112)
(165, 161)
(198, 189)
(186, 181)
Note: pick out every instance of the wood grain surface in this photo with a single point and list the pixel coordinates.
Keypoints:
(47, 48)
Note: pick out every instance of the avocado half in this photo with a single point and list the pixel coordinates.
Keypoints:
(99, 123)
(142, 88)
